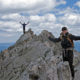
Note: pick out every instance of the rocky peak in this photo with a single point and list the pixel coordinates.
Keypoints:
(28, 35)
(35, 57)
(44, 35)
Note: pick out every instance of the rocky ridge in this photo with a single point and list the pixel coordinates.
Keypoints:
(35, 57)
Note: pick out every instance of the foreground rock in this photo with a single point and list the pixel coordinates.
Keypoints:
(35, 57)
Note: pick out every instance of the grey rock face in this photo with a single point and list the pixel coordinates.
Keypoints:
(35, 57)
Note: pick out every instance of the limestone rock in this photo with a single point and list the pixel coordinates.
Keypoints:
(35, 57)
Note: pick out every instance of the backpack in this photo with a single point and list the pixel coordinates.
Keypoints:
(66, 42)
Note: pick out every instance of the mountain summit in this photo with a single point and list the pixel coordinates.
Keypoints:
(35, 57)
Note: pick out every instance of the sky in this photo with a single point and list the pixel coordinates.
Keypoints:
(49, 15)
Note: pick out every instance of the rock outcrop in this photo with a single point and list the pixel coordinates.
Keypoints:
(35, 57)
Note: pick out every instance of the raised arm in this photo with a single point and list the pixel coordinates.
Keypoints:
(27, 23)
(20, 22)
(75, 37)
(55, 39)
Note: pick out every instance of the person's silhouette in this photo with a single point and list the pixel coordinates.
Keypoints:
(24, 25)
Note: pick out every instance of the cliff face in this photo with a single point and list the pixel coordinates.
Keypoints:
(35, 57)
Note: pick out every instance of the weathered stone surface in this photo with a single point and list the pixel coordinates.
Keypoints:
(35, 57)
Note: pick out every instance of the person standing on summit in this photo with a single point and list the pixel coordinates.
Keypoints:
(24, 25)
(67, 44)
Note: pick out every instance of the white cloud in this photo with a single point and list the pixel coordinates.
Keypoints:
(38, 23)
(47, 21)
(47, 17)
(36, 18)
(29, 6)
(50, 17)
(9, 23)
(78, 4)
(10, 26)
(67, 10)
(14, 17)
(11, 16)
(71, 19)
(6, 35)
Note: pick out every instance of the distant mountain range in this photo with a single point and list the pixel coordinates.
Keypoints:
(6, 45)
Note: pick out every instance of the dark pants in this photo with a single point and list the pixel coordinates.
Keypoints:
(24, 29)
(68, 56)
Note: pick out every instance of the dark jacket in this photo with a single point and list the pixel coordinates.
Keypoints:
(72, 37)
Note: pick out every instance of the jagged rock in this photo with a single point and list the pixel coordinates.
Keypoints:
(35, 57)
(27, 36)
(64, 71)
